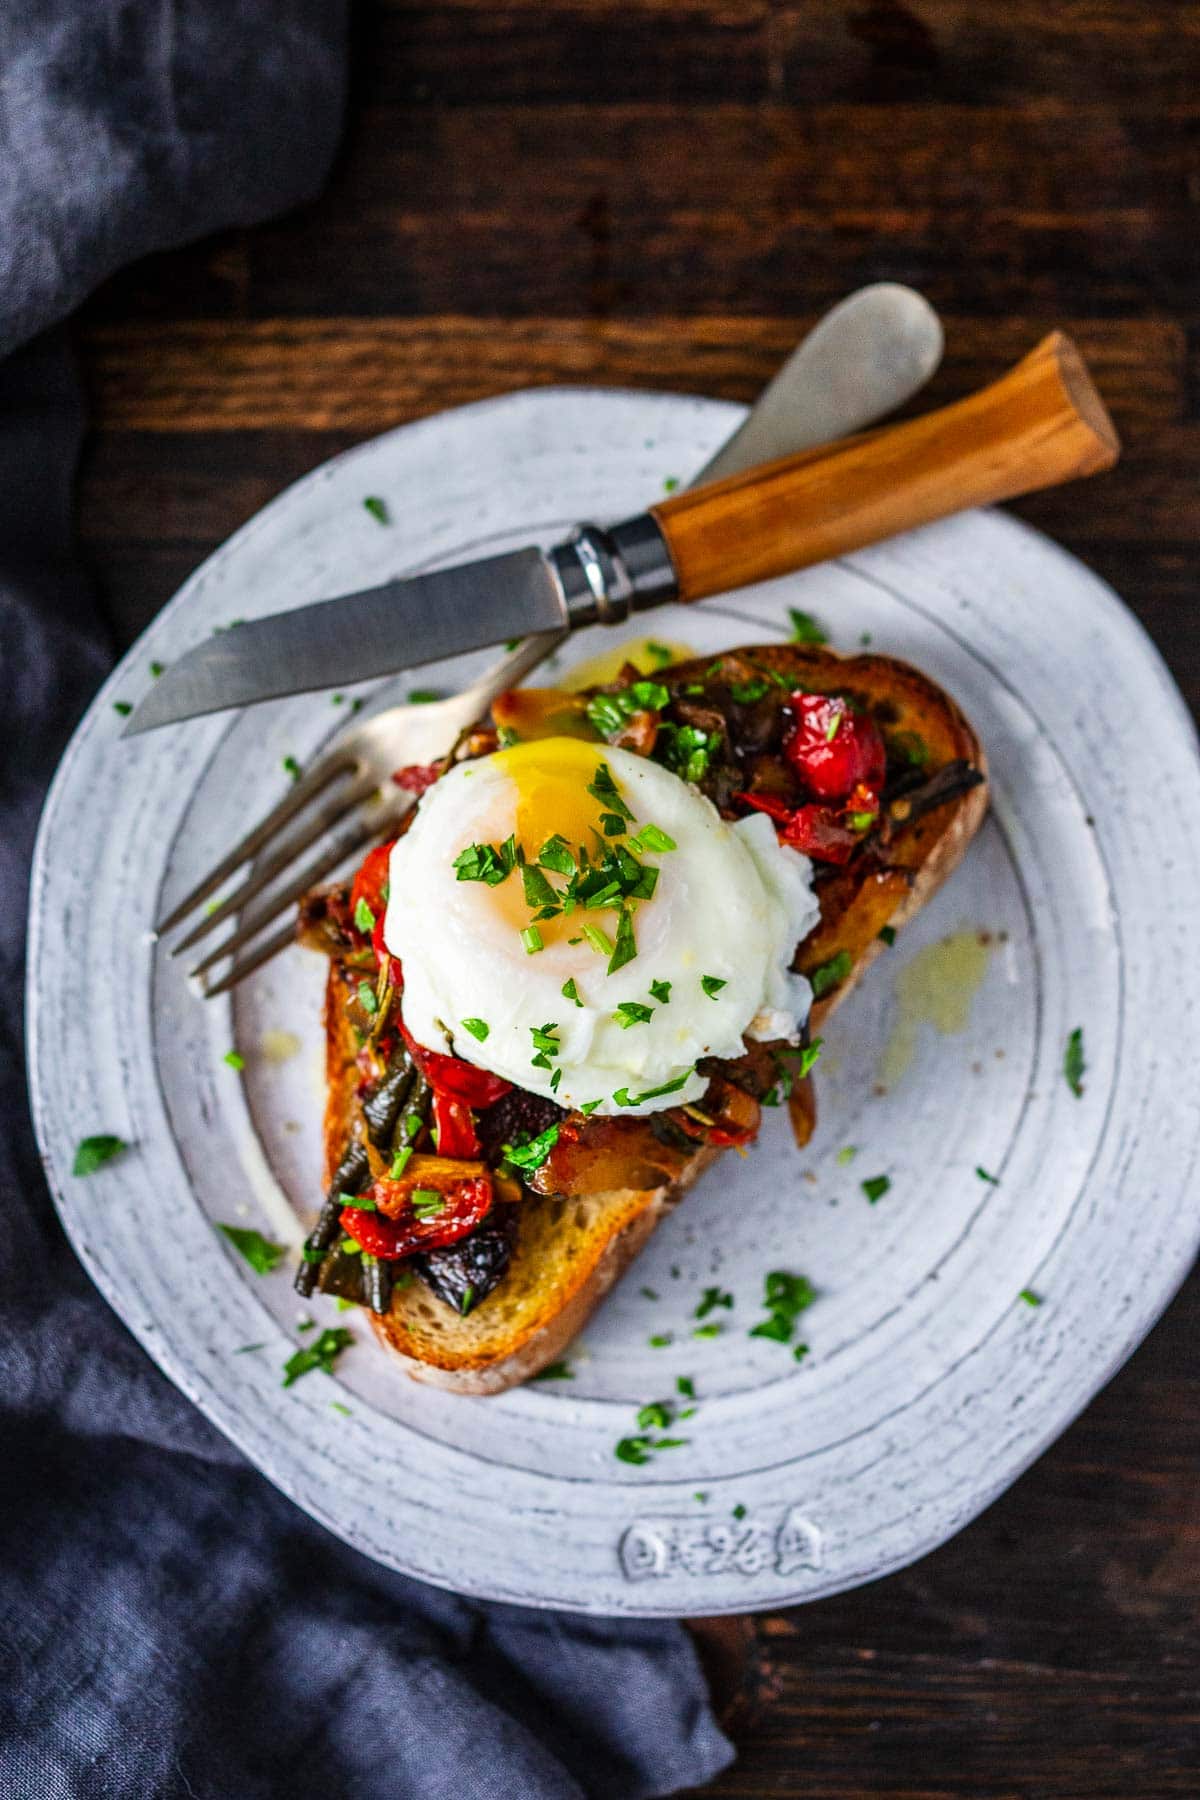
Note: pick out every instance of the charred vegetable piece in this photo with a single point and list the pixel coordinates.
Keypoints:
(517, 1118)
(376, 1282)
(349, 1177)
(383, 1106)
(471, 1268)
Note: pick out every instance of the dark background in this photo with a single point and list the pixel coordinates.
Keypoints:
(663, 194)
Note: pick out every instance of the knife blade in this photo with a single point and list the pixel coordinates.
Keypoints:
(334, 643)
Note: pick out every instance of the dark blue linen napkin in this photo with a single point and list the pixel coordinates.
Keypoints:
(170, 1625)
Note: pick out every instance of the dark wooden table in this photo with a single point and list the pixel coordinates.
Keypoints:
(661, 193)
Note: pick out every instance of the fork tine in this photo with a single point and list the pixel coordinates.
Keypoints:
(280, 940)
(279, 859)
(341, 848)
(306, 789)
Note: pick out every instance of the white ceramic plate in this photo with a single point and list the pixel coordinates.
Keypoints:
(930, 1384)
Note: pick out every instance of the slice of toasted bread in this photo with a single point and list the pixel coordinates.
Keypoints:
(570, 1251)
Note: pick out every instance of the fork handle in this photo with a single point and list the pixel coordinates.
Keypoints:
(1040, 424)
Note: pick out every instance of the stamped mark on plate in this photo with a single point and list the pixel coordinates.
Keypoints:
(720, 1546)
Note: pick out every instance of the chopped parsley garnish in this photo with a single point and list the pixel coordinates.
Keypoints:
(1030, 1297)
(467, 1301)
(707, 1331)
(422, 696)
(633, 1012)
(625, 947)
(588, 1108)
(570, 992)
(321, 1354)
(612, 824)
(554, 1081)
(656, 1416)
(557, 1371)
(156, 669)
(659, 655)
(847, 1153)
(800, 1352)
(604, 789)
(1073, 1063)
(829, 974)
(337, 1407)
(367, 999)
(685, 749)
(534, 1153)
(123, 707)
(712, 1298)
(545, 1044)
(360, 1202)
(805, 629)
(598, 939)
(556, 854)
(686, 1386)
(538, 891)
(478, 1028)
(245, 1349)
(648, 1293)
(377, 509)
(835, 723)
(484, 862)
(364, 918)
(234, 1059)
(712, 985)
(745, 693)
(622, 1097)
(785, 1298)
(652, 837)
(291, 767)
(427, 1203)
(609, 712)
(531, 937)
(633, 1449)
(911, 748)
(660, 1340)
(660, 991)
(875, 1187)
(739, 1511)
(259, 1252)
(93, 1152)
(670, 483)
(887, 934)
(984, 1176)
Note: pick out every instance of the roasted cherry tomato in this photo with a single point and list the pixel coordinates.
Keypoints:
(401, 1224)
(454, 1127)
(416, 777)
(451, 1075)
(371, 886)
(832, 748)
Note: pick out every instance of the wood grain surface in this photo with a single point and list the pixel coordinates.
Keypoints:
(663, 193)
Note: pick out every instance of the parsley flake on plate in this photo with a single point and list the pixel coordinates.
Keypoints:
(91, 1153)
(321, 1354)
(262, 1255)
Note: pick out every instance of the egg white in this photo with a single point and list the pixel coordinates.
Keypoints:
(731, 903)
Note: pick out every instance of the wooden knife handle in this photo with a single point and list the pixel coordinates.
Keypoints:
(1041, 423)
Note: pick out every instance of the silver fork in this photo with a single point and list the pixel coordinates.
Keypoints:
(865, 357)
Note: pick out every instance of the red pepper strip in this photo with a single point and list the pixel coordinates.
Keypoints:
(453, 1127)
(831, 748)
(816, 830)
(451, 1075)
(465, 1204)
(416, 777)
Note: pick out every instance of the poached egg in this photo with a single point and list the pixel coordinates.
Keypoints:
(605, 1006)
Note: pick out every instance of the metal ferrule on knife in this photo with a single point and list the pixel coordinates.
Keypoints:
(605, 575)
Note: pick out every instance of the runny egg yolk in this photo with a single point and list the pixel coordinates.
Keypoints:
(551, 779)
